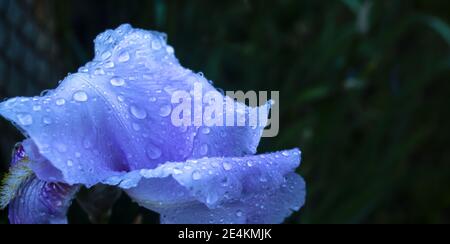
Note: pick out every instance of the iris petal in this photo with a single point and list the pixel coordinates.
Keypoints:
(219, 185)
(271, 207)
(33, 201)
(40, 202)
(113, 115)
(110, 123)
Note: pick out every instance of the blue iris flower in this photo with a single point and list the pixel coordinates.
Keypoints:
(107, 124)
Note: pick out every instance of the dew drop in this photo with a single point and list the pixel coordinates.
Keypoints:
(70, 163)
(156, 45)
(177, 171)
(206, 130)
(60, 102)
(204, 149)
(138, 113)
(99, 71)
(263, 179)
(239, 213)
(106, 55)
(109, 65)
(153, 152)
(80, 96)
(286, 154)
(165, 111)
(83, 70)
(136, 127)
(211, 198)
(170, 50)
(46, 120)
(117, 81)
(250, 164)
(37, 108)
(25, 119)
(124, 57)
(227, 166)
(196, 175)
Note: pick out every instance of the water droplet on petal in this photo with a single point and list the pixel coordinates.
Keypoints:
(153, 152)
(165, 111)
(83, 70)
(170, 50)
(204, 149)
(136, 127)
(177, 171)
(60, 102)
(196, 175)
(156, 45)
(37, 108)
(80, 96)
(99, 71)
(124, 57)
(46, 120)
(206, 130)
(106, 55)
(138, 113)
(25, 119)
(227, 166)
(211, 198)
(70, 163)
(250, 164)
(239, 213)
(117, 81)
(286, 154)
(109, 65)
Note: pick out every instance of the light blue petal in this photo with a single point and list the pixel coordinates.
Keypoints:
(222, 186)
(271, 207)
(112, 117)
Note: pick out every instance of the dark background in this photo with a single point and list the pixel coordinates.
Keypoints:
(364, 85)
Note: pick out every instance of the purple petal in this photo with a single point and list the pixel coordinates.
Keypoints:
(113, 117)
(39, 202)
(221, 187)
(32, 201)
(271, 207)
(110, 123)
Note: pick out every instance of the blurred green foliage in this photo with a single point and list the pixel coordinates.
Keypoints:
(364, 88)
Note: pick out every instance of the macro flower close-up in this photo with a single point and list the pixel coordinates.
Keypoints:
(111, 123)
(224, 120)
